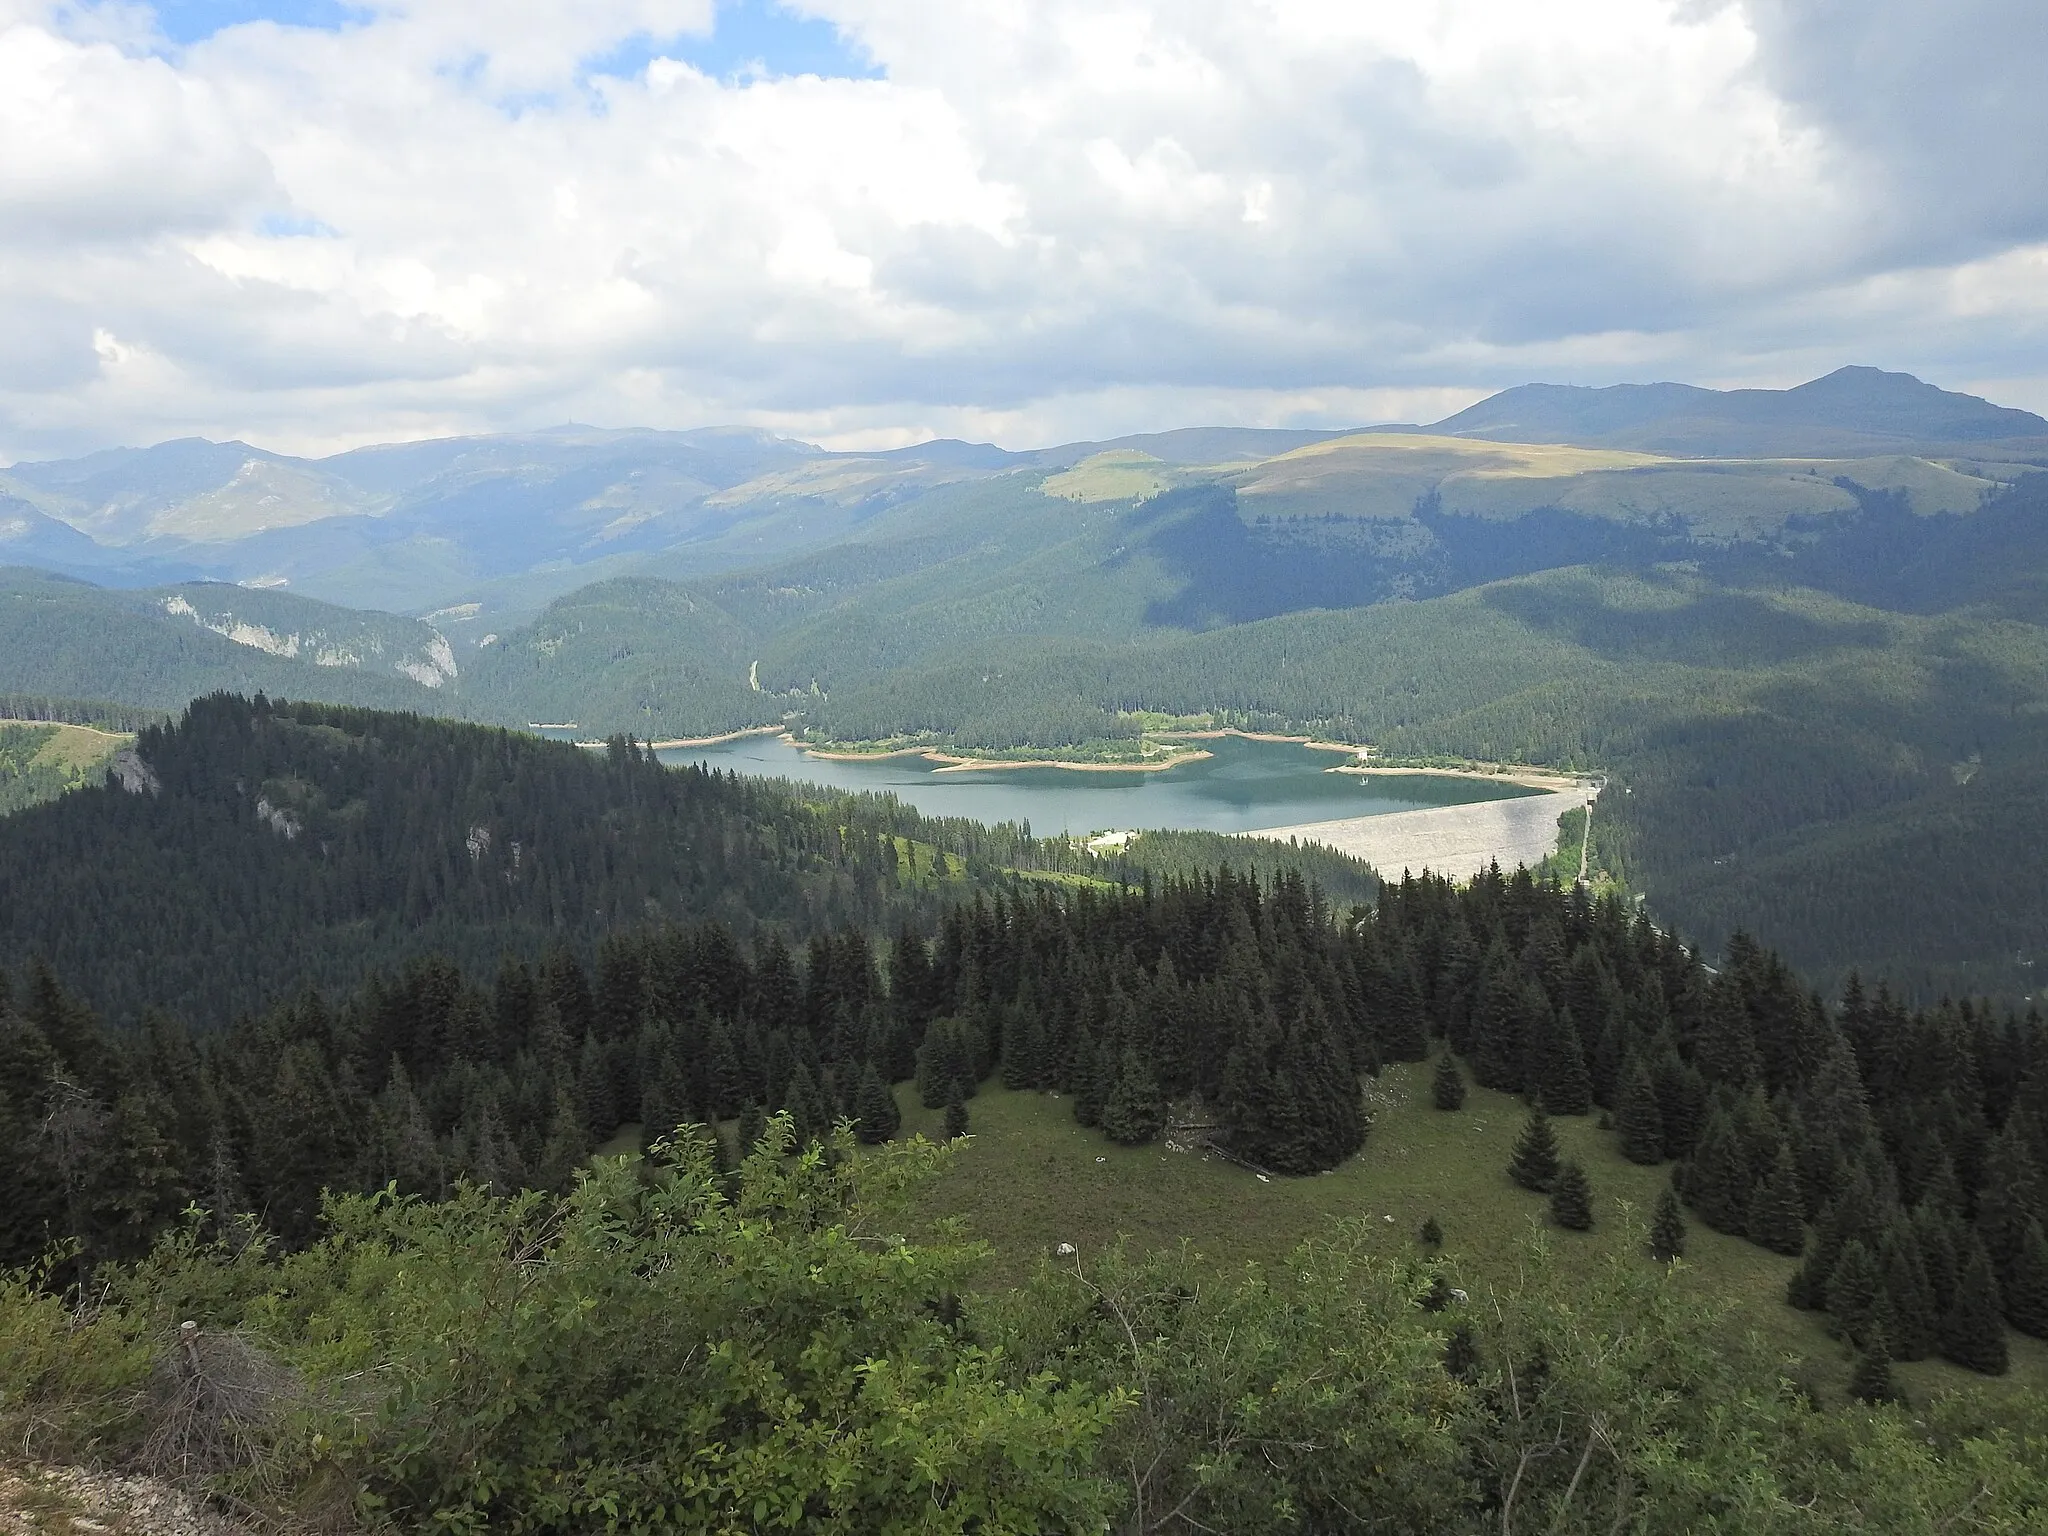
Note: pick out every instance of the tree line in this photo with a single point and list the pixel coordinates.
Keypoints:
(1898, 1152)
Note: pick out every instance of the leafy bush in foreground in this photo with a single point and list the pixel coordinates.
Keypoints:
(667, 1348)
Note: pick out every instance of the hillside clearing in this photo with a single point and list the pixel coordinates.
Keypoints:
(1028, 1179)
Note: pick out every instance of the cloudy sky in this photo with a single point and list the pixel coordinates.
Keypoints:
(311, 223)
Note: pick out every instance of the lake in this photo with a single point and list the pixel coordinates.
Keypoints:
(1245, 786)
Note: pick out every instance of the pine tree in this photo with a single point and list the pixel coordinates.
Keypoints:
(1571, 1199)
(1567, 1084)
(1461, 1354)
(1087, 1085)
(941, 1062)
(1914, 1315)
(1023, 1040)
(1852, 1291)
(1135, 1111)
(1973, 1333)
(1937, 1234)
(1637, 1117)
(1681, 1100)
(2026, 1293)
(1498, 1032)
(1667, 1228)
(1404, 1028)
(1447, 1087)
(566, 1146)
(752, 1127)
(1717, 1179)
(809, 1110)
(1775, 1220)
(1871, 1381)
(876, 1116)
(1432, 1235)
(956, 1111)
(1535, 1160)
(2010, 1198)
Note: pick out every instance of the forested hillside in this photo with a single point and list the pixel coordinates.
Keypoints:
(256, 848)
(584, 946)
(1790, 722)
(160, 648)
(1902, 1151)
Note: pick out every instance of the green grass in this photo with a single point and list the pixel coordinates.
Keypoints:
(1029, 1179)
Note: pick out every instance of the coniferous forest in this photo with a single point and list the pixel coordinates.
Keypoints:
(226, 1081)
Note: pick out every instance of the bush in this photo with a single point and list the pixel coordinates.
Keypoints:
(73, 1377)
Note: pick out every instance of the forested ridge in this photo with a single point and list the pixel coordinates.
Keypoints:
(272, 845)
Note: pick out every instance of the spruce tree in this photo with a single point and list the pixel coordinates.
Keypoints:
(1938, 1235)
(1637, 1118)
(1871, 1381)
(1571, 1199)
(1667, 1228)
(1088, 1081)
(1535, 1160)
(1775, 1219)
(1404, 1029)
(566, 1145)
(1681, 1100)
(2026, 1292)
(810, 1114)
(1461, 1354)
(1717, 1178)
(1914, 1315)
(956, 1111)
(1447, 1087)
(1973, 1333)
(1852, 1291)
(876, 1116)
(1023, 1041)
(1497, 1045)
(1135, 1111)
(1432, 1235)
(752, 1127)
(1567, 1085)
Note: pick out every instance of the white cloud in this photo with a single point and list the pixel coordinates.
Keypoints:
(1050, 218)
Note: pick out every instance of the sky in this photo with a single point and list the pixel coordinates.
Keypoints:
(312, 224)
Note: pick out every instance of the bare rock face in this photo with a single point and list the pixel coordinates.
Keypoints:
(133, 774)
(279, 820)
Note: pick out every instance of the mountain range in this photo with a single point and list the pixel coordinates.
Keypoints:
(509, 522)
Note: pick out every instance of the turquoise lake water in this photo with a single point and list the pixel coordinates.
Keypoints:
(1244, 786)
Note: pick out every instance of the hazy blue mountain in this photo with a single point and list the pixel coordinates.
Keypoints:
(486, 531)
(29, 536)
(1852, 410)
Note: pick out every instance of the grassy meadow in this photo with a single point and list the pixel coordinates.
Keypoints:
(1028, 1178)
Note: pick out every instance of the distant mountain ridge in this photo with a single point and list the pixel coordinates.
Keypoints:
(1852, 410)
(504, 524)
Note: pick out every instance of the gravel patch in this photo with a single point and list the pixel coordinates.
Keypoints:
(60, 1501)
